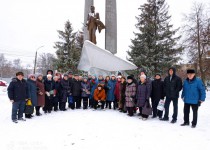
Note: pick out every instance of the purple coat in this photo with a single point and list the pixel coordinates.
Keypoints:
(143, 93)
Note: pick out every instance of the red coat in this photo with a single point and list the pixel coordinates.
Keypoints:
(40, 97)
(117, 92)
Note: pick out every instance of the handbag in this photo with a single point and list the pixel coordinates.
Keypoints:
(161, 105)
(29, 109)
(147, 109)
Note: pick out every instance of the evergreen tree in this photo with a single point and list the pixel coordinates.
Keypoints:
(68, 53)
(154, 47)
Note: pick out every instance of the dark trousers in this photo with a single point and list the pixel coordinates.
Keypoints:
(156, 112)
(77, 99)
(55, 103)
(37, 110)
(143, 115)
(85, 102)
(62, 106)
(167, 105)
(48, 103)
(18, 109)
(130, 110)
(96, 104)
(187, 113)
(110, 104)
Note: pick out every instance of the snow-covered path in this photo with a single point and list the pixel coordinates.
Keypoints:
(101, 130)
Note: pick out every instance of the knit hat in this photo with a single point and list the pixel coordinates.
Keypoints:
(129, 77)
(65, 75)
(38, 75)
(31, 75)
(112, 75)
(143, 76)
(190, 71)
(157, 74)
(19, 73)
(70, 72)
(49, 75)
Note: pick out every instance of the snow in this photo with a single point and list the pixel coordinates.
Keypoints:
(101, 130)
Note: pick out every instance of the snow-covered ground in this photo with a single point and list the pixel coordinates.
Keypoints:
(101, 130)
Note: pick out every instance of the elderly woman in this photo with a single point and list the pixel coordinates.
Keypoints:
(32, 92)
(40, 94)
(65, 91)
(85, 87)
(143, 94)
(110, 94)
(130, 93)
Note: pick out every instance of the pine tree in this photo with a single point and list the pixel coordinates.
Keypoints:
(68, 53)
(154, 47)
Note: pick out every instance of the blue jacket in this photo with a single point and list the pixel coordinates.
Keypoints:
(110, 93)
(193, 91)
(32, 91)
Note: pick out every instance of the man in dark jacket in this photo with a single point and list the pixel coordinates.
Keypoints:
(172, 87)
(76, 91)
(70, 82)
(157, 94)
(17, 93)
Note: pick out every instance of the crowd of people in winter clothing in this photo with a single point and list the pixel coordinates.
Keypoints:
(55, 92)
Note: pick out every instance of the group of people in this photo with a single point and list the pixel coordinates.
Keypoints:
(128, 95)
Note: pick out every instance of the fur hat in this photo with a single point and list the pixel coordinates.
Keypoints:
(31, 75)
(49, 75)
(19, 73)
(190, 71)
(143, 76)
(113, 75)
(65, 75)
(129, 77)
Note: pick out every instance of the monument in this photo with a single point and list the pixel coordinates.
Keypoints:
(110, 23)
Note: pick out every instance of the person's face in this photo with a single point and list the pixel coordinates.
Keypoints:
(99, 88)
(129, 80)
(119, 79)
(65, 78)
(113, 77)
(76, 77)
(70, 75)
(92, 9)
(89, 76)
(33, 78)
(107, 78)
(56, 79)
(93, 77)
(20, 77)
(190, 75)
(171, 72)
(85, 80)
(40, 77)
(49, 77)
(157, 77)
(142, 79)
(142, 73)
(80, 78)
(122, 80)
(100, 77)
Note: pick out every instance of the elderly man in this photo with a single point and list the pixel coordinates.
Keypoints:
(193, 95)
(17, 93)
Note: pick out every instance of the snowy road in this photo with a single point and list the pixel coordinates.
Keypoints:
(101, 130)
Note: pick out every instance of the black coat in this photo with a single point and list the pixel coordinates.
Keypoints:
(76, 88)
(173, 87)
(17, 90)
(157, 89)
(65, 90)
(49, 85)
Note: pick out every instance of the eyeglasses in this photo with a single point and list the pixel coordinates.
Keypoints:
(32, 77)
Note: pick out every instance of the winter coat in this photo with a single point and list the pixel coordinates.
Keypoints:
(65, 90)
(143, 94)
(117, 92)
(40, 88)
(49, 87)
(85, 87)
(76, 88)
(110, 93)
(193, 91)
(32, 91)
(157, 89)
(99, 95)
(18, 90)
(173, 87)
(57, 92)
(130, 94)
(93, 86)
(122, 91)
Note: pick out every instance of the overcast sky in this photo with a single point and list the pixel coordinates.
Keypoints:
(25, 25)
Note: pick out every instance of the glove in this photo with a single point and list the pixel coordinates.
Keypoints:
(47, 93)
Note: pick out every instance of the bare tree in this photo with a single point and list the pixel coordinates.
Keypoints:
(197, 38)
(45, 62)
